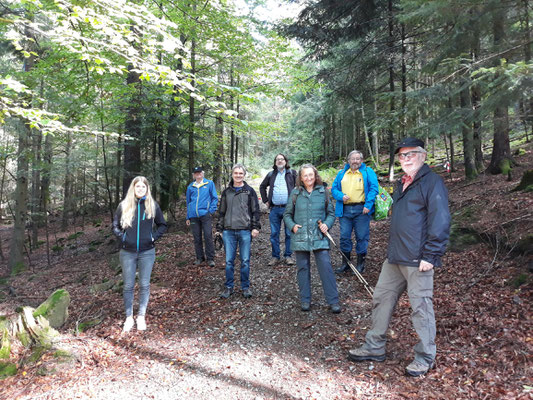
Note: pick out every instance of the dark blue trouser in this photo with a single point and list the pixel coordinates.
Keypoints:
(203, 225)
(353, 219)
(323, 264)
(275, 217)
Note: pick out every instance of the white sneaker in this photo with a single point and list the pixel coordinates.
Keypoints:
(128, 324)
(141, 323)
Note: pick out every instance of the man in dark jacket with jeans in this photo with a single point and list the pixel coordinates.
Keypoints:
(280, 182)
(418, 236)
(238, 222)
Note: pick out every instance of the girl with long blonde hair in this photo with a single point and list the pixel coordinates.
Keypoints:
(138, 223)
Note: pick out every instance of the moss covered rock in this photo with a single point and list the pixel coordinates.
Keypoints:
(526, 183)
(5, 344)
(38, 328)
(55, 308)
(461, 238)
(102, 287)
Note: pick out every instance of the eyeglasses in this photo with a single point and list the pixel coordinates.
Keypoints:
(408, 155)
(280, 159)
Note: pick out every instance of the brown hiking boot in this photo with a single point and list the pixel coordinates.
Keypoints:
(416, 368)
(273, 262)
(361, 354)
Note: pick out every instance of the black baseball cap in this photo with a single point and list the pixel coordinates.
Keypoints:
(197, 169)
(409, 142)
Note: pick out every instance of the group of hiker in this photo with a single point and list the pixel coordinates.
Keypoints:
(419, 232)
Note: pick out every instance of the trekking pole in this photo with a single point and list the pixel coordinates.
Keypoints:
(356, 272)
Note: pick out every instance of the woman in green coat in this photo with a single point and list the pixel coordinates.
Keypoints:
(308, 204)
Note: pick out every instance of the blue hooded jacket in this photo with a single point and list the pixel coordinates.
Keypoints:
(201, 199)
(371, 187)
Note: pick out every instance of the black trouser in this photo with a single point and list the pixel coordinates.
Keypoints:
(198, 225)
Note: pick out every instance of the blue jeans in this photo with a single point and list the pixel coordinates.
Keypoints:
(130, 260)
(275, 217)
(242, 238)
(354, 219)
(323, 265)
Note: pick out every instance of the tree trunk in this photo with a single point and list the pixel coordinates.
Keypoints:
(36, 212)
(219, 140)
(118, 170)
(501, 151)
(16, 255)
(67, 195)
(475, 93)
(390, 45)
(231, 130)
(45, 187)
(468, 136)
(404, 85)
(132, 125)
(452, 153)
(191, 110)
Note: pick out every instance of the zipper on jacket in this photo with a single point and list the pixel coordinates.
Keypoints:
(138, 222)
(197, 200)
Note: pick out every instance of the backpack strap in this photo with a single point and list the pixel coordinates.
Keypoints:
(326, 191)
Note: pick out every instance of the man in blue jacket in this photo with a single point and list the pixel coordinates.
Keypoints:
(355, 188)
(419, 232)
(202, 201)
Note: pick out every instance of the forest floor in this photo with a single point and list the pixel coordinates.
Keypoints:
(198, 346)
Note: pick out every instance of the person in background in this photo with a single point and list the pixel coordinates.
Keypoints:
(238, 222)
(309, 215)
(419, 232)
(280, 182)
(355, 189)
(134, 222)
(202, 201)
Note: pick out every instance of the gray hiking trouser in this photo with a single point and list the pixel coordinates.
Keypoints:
(393, 280)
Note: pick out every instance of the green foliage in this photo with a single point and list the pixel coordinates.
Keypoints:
(84, 326)
(75, 235)
(5, 344)
(519, 280)
(160, 258)
(328, 175)
(7, 369)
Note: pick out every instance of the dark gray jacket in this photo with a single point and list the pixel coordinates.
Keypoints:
(270, 179)
(420, 224)
(238, 209)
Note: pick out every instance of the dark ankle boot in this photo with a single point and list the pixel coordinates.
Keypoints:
(361, 263)
(344, 267)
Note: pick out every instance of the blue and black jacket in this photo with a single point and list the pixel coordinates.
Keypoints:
(140, 236)
(201, 198)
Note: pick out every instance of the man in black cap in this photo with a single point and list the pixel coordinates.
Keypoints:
(202, 202)
(419, 232)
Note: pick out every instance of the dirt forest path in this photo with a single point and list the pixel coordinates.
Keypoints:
(198, 346)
